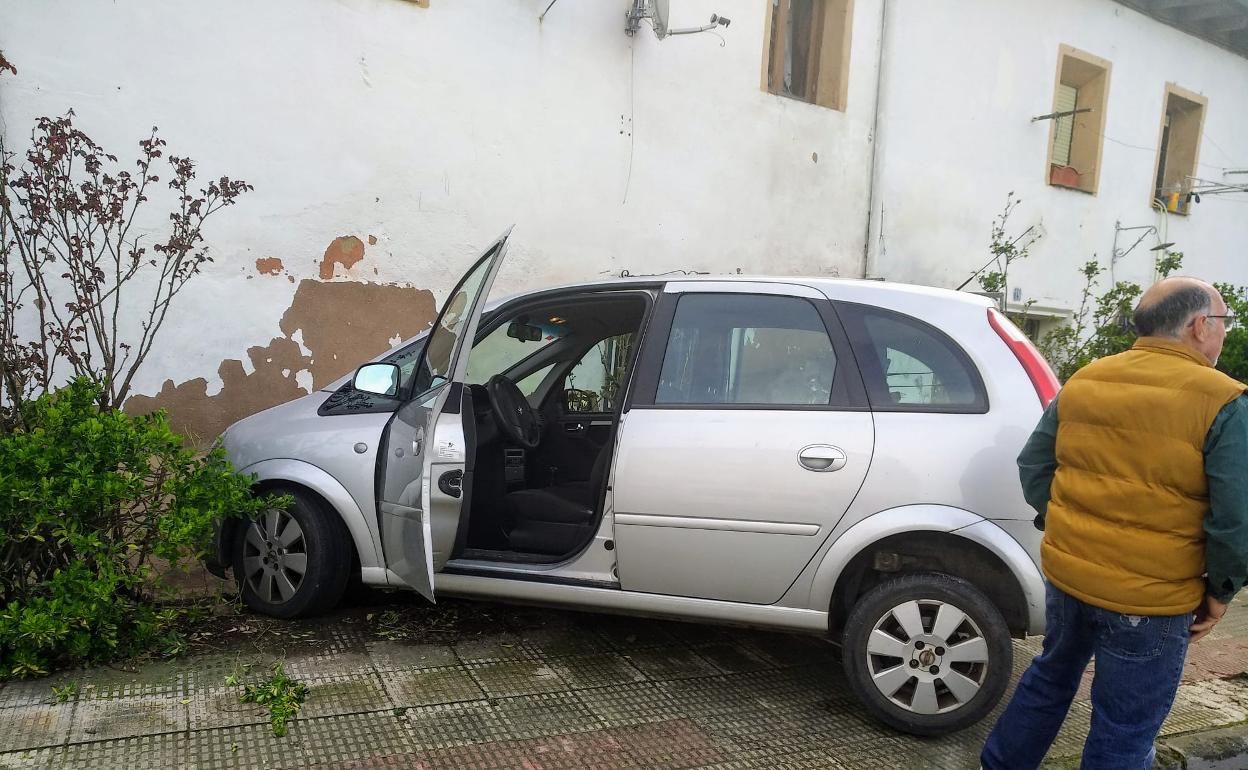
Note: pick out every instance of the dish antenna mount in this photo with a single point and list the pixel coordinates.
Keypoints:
(656, 12)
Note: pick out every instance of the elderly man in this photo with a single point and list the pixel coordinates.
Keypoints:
(1139, 471)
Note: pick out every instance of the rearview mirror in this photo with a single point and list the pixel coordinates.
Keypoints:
(524, 332)
(379, 379)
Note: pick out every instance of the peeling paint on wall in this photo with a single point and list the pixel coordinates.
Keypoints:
(269, 266)
(345, 251)
(340, 325)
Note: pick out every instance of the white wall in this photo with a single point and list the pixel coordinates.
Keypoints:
(434, 129)
(962, 80)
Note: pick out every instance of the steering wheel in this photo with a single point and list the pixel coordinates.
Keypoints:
(512, 412)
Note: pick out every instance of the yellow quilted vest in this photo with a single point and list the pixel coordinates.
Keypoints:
(1124, 528)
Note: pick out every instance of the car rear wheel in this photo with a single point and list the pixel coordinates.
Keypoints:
(927, 653)
(293, 562)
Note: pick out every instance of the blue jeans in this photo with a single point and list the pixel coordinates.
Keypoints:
(1139, 661)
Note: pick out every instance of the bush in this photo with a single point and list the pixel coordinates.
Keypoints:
(91, 502)
(1234, 360)
(1102, 325)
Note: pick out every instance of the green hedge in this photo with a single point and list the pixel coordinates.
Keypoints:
(90, 502)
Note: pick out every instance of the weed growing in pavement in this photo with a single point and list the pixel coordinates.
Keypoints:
(64, 693)
(281, 695)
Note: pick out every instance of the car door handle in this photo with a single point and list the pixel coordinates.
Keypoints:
(821, 458)
(574, 427)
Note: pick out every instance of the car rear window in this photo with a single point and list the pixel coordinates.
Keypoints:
(909, 365)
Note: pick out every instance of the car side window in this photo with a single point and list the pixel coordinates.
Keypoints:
(910, 365)
(747, 349)
(596, 383)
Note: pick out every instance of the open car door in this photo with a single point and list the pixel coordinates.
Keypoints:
(424, 454)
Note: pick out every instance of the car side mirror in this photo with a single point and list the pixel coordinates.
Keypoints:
(379, 379)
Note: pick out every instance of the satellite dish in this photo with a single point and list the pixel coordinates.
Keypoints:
(656, 12)
(659, 17)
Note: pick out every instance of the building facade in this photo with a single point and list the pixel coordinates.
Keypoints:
(389, 140)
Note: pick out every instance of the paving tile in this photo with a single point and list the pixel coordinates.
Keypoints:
(596, 671)
(630, 704)
(597, 750)
(35, 726)
(563, 640)
(210, 671)
(220, 706)
(104, 718)
(663, 663)
(142, 752)
(456, 724)
(328, 665)
(531, 716)
(506, 678)
(354, 737)
(483, 649)
(35, 692)
(330, 696)
(431, 686)
(245, 747)
(402, 656)
(673, 744)
(158, 679)
(40, 759)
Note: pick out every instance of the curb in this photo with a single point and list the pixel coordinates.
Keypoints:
(1223, 748)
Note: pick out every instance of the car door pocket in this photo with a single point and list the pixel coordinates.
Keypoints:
(821, 458)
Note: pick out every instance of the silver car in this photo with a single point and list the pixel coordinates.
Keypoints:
(822, 456)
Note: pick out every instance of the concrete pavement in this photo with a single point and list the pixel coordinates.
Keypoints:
(470, 685)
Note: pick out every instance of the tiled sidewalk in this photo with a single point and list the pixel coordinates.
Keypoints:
(547, 690)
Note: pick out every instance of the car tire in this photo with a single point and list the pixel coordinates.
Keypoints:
(927, 653)
(270, 551)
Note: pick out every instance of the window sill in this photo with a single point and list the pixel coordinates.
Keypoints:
(1072, 188)
(794, 98)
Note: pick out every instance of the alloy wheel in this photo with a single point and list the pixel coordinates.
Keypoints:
(275, 556)
(927, 656)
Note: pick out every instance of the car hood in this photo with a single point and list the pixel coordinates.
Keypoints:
(273, 432)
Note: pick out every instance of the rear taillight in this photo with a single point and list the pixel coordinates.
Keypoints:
(1042, 376)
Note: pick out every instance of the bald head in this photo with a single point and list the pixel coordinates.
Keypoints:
(1170, 304)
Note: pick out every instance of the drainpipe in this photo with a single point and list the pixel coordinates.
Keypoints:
(875, 221)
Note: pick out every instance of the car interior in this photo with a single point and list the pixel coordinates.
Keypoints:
(546, 382)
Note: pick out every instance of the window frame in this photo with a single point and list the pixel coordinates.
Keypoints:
(831, 87)
(848, 391)
(1078, 129)
(1167, 144)
(852, 313)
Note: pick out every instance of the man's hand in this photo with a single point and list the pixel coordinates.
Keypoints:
(1207, 616)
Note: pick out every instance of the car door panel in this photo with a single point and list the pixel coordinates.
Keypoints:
(421, 483)
(728, 500)
(716, 505)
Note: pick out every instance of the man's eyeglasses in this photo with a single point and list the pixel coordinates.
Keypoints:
(1229, 320)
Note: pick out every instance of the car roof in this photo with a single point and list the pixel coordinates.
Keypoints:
(851, 289)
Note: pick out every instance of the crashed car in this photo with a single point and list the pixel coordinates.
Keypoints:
(830, 457)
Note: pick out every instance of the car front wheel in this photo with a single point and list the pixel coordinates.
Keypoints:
(927, 653)
(293, 562)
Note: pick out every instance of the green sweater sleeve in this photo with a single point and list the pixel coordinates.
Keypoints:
(1226, 527)
(1037, 463)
